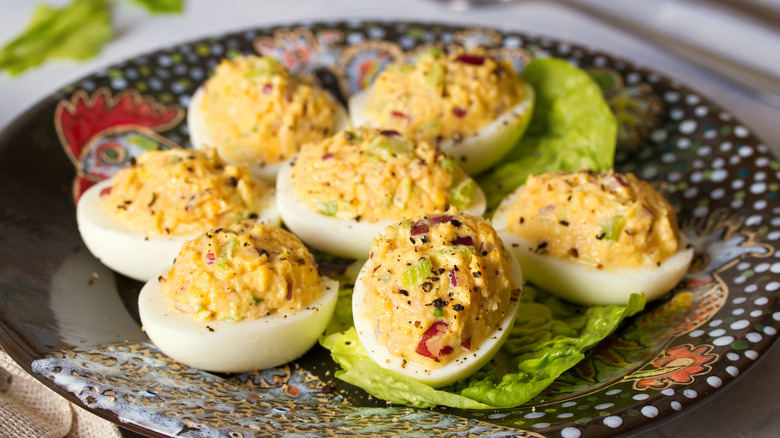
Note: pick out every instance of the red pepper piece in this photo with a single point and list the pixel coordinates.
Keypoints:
(459, 112)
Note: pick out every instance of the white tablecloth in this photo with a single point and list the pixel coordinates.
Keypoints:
(748, 408)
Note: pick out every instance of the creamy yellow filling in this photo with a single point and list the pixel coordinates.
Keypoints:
(605, 219)
(437, 286)
(241, 272)
(442, 97)
(180, 191)
(366, 174)
(257, 112)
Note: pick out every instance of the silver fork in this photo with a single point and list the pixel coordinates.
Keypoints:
(752, 80)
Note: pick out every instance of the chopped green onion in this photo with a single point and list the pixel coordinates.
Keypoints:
(438, 313)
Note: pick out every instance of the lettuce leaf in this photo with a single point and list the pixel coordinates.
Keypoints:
(77, 31)
(549, 337)
(572, 128)
(161, 6)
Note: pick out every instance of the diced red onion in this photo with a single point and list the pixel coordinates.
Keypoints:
(463, 240)
(547, 209)
(437, 329)
(440, 219)
(471, 59)
(391, 132)
(419, 228)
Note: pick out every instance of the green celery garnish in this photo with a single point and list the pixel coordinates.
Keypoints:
(614, 227)
(416, 273)
(435, 76)
(388, 147)
(463, 193)
(329, 208)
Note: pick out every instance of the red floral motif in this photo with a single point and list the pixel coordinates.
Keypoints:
(676, 366)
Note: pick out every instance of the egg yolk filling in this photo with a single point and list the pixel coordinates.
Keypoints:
(258, 112)
(442, 97)
(437, 287)
(180, 191)
(367, 174)
(246, 271)
(606, 219)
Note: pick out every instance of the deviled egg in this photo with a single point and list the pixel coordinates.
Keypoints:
(136, 221)
(472, 106)
(594, 237)
(342, 192)
(238, 299)
(437, 297)
(256, 113)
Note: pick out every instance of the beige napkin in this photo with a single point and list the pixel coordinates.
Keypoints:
(30, 409)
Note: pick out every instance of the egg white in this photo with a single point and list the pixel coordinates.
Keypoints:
(583, 283)
(342, 237)
(131, 252)
(234, 346)
(477, 151)
(200, 139)
(458, 368)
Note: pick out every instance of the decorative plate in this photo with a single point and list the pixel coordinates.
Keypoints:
(73, 323)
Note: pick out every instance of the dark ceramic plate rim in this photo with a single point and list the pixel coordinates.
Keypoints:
(25, 353)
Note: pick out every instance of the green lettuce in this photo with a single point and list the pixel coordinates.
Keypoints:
(77, 31)
(572, 128)
(549, 337)
(161, 6)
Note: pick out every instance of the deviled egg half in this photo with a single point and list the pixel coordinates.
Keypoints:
(238, 299)
(436, 298)
(594, 237)
(136, 221)
(472, 106)
(342, 192)
(253, 111)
